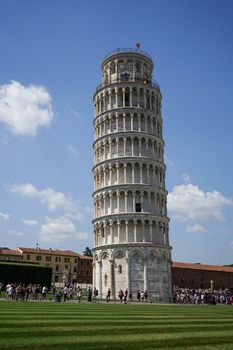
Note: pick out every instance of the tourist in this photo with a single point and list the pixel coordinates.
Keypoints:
(89, 294)
(121, 295)
(65, 293)
(79, 294)
(95, 295)
(146, 295)
(44, 292)
(108, 296)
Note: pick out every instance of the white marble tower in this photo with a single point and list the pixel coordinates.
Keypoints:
(131, 242)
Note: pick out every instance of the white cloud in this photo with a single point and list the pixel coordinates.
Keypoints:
(196, 228)
(29, 222)
(54, 200)
(25, 108)
(187, 178)
(4, 216)
(72, 150)
(187, 202)
(16, 233)
(60, 229)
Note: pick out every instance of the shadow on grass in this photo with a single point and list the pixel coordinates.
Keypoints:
(201, 342)
(130, 330)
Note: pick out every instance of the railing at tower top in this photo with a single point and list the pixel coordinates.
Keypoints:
(141, 52)
(152, 82)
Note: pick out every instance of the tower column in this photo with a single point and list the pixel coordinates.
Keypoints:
(125, 170)
(126, 202)
(117, 122)
(124, 146)
(135, 231)
(151, 227)
(127, 274)
(127, 231)
(140, 167)
(131, 97)
(123, 95)
(131, 121)
(100, 279)
(116, 93)
(145, 274)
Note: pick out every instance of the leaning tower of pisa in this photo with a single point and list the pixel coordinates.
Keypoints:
(131, 242)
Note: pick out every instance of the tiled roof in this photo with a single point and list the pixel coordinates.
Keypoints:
(181, 265)
(9, 252)
(85, 257)
(48, 251)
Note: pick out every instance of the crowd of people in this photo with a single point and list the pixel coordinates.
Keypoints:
(20, 291)
(24, 292)
(202, 296)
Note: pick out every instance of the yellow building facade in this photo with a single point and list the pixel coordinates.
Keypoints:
(64, 263)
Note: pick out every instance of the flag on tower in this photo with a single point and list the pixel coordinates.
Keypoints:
(138, 45)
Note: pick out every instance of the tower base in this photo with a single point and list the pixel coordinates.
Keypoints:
(133, 268)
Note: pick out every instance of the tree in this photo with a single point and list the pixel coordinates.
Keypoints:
(87, 252)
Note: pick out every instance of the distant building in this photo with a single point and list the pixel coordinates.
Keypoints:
(64, 263)
(84, 273)
(188, 275)
(7, 254)
(67, 266)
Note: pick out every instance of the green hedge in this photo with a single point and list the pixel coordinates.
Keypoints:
(25, 273)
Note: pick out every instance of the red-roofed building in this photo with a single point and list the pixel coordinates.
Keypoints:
(190, 275)
(65, 263)
(7, 254)
(84, 274)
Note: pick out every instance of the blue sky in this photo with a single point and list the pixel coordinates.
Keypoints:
(51, 54)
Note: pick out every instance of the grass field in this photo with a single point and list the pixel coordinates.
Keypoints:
(60, 326)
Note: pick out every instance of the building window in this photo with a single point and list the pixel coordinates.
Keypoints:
(75, 260)
(138, 207)
(87, 263)
(75, 268)
(28, 257)
(81, 262)
(38, 257)
(48, 258)
(57, 268)
(56, 278)
(105, 280)
(67, 260)
(87, 272)
(119, 269)
(67, 267)
(81, 272)
(58, 259)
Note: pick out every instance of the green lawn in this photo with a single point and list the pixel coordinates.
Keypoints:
(64, 326)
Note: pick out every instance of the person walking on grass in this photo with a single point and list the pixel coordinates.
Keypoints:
(95, 295)
(65, 293)
(89, 294)
(44, 292)
(79, 294)
(108, 296)
(146, 296)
